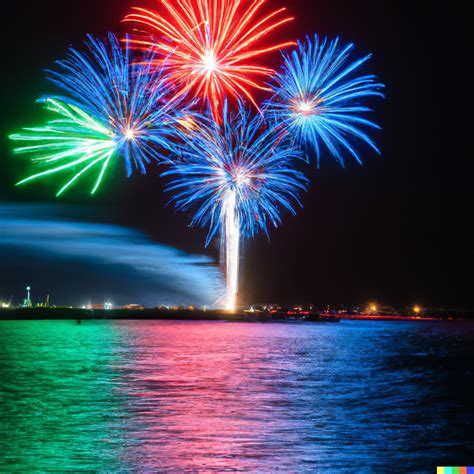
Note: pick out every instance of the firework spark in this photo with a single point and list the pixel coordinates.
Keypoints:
(110, 111)
(240, 177)
(208, 46)
(317, 98)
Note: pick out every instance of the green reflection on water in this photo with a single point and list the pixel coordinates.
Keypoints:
(60, 409)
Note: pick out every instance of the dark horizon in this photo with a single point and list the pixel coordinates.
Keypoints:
(393, 230)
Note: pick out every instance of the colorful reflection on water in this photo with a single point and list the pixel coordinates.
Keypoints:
(129, 396)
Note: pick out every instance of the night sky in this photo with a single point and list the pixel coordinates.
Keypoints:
(394, 230)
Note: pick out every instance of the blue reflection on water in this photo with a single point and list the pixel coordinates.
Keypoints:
(186, 396)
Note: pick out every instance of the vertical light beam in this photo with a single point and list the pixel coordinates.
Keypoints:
(232, 250)
(239, 177)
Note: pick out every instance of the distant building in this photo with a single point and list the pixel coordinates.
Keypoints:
(95, 306)
(27, 302)
(135, 307)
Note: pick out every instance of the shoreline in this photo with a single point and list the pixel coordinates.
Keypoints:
(42, 313)
(33, 314)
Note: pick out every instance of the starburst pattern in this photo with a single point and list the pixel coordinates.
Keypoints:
(108, 112)
(208, 46)
(320, 98)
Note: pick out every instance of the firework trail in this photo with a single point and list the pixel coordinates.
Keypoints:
(318, 98)
(238, 176)
(208, 46)
(109, 112)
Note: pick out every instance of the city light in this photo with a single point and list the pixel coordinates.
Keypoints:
(372, 308)
(228, 306)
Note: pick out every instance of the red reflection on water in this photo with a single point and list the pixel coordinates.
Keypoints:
(206, 395)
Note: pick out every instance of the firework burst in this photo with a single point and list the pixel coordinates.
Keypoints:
(109, 112)
(239, 176)
(318, 98)
(208, 46)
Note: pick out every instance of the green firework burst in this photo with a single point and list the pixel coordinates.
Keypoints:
(75, 142)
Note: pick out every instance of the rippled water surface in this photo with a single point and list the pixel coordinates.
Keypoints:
(130, 396)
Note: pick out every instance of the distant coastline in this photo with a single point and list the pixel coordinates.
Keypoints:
(61, 313)
(58, 313)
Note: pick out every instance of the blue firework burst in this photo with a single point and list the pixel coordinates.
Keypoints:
(320, 98)
(239, 163)
(112, 107)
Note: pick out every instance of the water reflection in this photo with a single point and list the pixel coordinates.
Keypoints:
(178, 396)
(211, 391)
(58, 410)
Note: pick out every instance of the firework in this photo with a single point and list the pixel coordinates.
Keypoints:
(239, 177)
(109, 111)
(318, 98)
(208, 46)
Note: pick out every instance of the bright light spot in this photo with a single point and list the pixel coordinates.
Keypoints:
(232, 241)
(241, 179)
(305, 108)
(209, 62)
(416, 309)
(129, 134)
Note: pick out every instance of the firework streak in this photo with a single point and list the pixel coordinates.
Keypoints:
(109, 111)
(317, 98)
(239, 176)
(209, 46)
(235, 170)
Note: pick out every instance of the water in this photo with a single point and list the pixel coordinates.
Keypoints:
(157, 396)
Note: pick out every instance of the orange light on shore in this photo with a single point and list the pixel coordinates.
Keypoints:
(417, 309)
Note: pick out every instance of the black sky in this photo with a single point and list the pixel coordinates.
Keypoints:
(394, 230)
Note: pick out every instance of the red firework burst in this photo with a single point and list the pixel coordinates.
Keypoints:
(207, 46)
